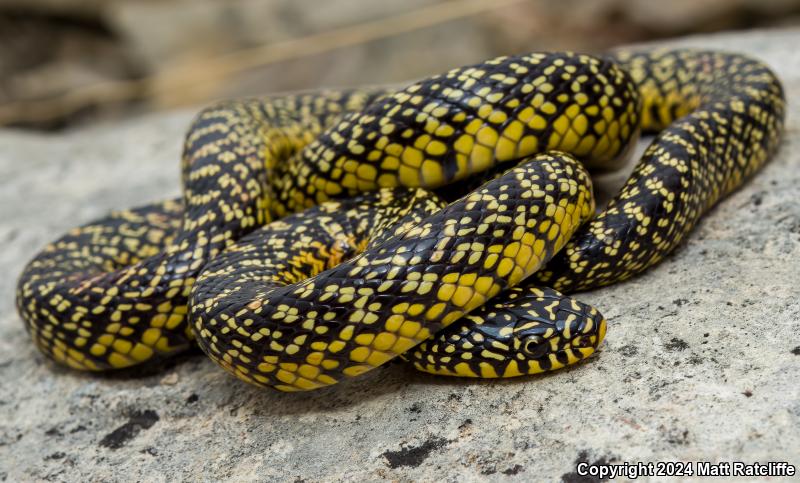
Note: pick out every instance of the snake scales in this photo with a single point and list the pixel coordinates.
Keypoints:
(318, 236)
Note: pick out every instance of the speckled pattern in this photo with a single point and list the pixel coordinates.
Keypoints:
(361, 312)
(113, 294)
(110, 297)
(701, 361)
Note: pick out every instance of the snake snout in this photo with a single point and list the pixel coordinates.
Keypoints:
(585, 333)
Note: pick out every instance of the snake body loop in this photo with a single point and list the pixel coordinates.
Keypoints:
(719, 118)
(383, 302)
(447, 128)
(307, 248)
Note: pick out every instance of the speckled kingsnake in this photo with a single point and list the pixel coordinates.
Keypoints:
(114, 293)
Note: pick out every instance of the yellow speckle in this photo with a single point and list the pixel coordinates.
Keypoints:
(487, 370)
(336, 346)
(537, 122)
(141, 352)
(408, 176)
(393, 322)
(464, 144)
(528, 145)
(505, 149)
(376, 358)
(347, 332)
(122, 346)
(462, 296)
(435, 311)
(446, 292)
(359, 354)
(364, 339)
(285, 376)
(482, 158)
(409, 328)
(97, 350)
(402, 345)
(512, 369)
(462, 369)
(356, 370)
(487, 136)
(384, 341)
(436, 148)
(505, 267)
(150, 336)
(119, 361)
(412, 157)
(432, 173)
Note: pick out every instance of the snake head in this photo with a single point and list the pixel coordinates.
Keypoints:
(521, 331)
(565, 333)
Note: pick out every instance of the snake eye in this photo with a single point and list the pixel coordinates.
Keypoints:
(535, 346)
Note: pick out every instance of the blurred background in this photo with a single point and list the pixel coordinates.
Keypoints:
(65, 63)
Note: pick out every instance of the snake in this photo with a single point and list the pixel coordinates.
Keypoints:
(322, 234)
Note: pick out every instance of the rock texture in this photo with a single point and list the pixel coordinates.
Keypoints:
(701, 359)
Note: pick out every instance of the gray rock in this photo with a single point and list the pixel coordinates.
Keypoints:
(700, 363)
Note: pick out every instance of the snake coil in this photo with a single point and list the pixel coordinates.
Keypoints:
(318, 236)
